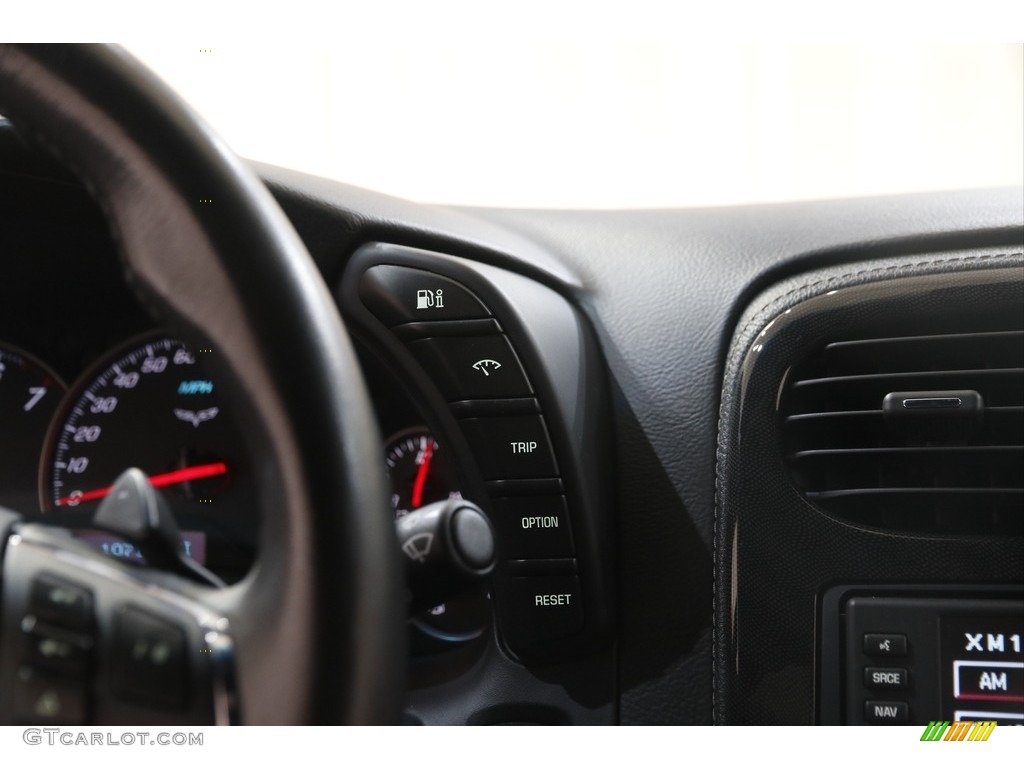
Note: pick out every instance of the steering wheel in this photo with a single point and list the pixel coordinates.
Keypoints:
(313, 633)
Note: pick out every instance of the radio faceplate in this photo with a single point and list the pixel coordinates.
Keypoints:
(906, 655)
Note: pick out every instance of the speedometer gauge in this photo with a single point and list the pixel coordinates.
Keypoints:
(153, 406)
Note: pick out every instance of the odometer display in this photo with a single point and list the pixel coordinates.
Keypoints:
(154, 406)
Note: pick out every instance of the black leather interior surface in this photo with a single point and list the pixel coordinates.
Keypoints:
(663, 290)
(318, 624)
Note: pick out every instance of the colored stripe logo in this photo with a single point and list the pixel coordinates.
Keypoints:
(962, 730)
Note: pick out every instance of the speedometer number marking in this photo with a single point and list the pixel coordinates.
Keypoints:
(77, 465)
(154, 365)
(87, 434)
(101, 404)
(126, 380)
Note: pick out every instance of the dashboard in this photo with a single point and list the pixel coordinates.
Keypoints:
(747, 465)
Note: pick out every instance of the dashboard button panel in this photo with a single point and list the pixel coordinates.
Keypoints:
(506, 373)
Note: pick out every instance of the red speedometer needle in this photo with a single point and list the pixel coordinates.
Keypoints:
(157, 481)
(421, 475)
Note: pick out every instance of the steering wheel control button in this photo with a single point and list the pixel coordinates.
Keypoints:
(149, 662)
(56, 650)
(399, 295)
(472, 367)
(510, 447)
(885, 645)
(542, 608)
(533, 527)
(886, 712)
(60, 602)
(43, 701)
(886, 678)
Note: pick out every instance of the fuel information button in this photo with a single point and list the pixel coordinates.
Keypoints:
(405, 295)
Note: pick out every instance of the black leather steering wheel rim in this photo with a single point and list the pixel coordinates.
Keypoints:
(318, 624)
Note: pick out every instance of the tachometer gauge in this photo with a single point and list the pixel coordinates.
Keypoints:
(420, 474)
(154, 406)
(29, 394)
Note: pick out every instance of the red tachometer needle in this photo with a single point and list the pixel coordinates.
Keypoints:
(421, 476)
(157, 481)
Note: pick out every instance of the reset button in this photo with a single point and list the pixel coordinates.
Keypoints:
(540, 609)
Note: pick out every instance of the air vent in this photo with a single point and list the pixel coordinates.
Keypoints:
(921, 434)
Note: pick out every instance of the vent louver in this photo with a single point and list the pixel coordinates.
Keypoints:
(944, 453)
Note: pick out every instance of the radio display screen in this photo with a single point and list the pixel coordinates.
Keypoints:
(983, 667)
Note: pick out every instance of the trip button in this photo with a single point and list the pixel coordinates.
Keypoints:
(404, 295)
(886, 712)
(533, 527)
(885, 645)
(472, 367)
(510, 447)
(885, 678)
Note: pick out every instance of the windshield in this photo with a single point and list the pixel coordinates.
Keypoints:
(608, 125)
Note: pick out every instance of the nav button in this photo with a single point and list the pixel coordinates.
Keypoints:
(886, 712)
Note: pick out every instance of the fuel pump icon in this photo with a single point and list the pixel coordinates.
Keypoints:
(426, 299)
